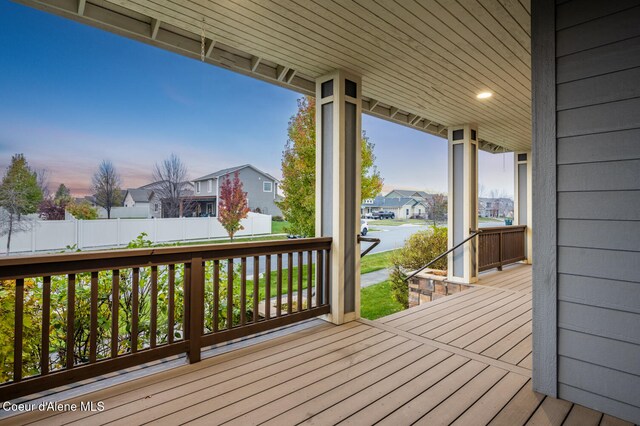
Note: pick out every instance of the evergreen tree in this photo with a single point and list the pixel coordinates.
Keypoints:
(20, 195)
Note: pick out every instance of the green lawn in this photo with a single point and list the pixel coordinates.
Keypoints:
(375, 262)
(278, 227)
(489, 219)
(376, 301)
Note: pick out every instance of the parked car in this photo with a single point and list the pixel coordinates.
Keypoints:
(383, 215)
(364, 227)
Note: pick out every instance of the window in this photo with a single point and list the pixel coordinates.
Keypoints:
(155, 206)
(198, 187)
(407, 212)
(210, 185)
(267, 186)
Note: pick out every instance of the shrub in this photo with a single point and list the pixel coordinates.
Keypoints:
(420, 249)
(277, 219)
(82, 210)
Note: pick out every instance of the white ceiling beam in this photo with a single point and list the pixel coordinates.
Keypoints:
(255, 61)
(155, 26)
(281, 71)
(393, 111)
(292, 73)
(210, 44)
(81, 6)
(372, 104)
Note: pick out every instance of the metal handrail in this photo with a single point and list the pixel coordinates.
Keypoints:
(375, 242)
(474, 234)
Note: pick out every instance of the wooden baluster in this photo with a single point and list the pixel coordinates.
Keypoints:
(186, 314)
(229, 294)
(279, 286)
(289, 282)
(243, 291)
(115, 300)
(19, 317)
(216, 293)
(256, 288)
(172, 310)
(196, 314)
(135, 294)
(327, 277)
(300, 258)
(267, 287)
(154, 307)
(309, 278)
(46, 323)
(93, 328)
(71, 302)
(319, 280)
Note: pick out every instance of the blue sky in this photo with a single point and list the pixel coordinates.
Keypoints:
(72, 95)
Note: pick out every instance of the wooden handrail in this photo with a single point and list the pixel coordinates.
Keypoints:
(501, 245)
(125, 285)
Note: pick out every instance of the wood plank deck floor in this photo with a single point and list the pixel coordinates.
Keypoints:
(464, 360)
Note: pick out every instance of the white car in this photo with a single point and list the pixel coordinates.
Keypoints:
(364, 227)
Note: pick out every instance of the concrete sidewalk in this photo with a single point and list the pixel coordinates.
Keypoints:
(374, 277)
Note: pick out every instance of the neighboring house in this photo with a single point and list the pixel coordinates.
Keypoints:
(261, 189)
(140, 197)
(402, 207)
(158, 206)
(495, 207)
(403, 193)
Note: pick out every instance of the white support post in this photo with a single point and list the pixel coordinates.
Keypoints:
(463, 203)
(522, 207)
(338, 163)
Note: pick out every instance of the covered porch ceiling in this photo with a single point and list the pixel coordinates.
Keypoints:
(422, 62)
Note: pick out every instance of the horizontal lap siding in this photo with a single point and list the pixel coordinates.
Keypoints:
(598, 183)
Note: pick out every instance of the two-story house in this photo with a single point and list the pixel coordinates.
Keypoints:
(261, 189)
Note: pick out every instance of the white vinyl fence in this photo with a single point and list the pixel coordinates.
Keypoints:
(52, 235)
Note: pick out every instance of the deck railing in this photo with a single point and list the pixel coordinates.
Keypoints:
(499, 246)
(69, 317)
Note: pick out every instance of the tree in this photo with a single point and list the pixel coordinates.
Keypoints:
(82, 210)
(172, 185)
(50, 209)
(233, 204)
(20, 195)
(437, 207)
(106, 185)
(299, 170)
(62, 195)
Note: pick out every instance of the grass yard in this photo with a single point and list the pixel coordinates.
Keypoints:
(489, 219)
(375, 262)
(278, 227)
(376, 301)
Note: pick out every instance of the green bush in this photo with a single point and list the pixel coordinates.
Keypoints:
(420, 249)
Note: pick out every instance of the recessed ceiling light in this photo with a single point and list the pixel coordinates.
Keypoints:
(484, 95)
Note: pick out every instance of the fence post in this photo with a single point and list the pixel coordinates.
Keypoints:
(118, 232)
(33, 236)
(80, 234)
(196, 309)
(155, 230)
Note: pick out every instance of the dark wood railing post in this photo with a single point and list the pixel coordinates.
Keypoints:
(196, 318)
(500, 254)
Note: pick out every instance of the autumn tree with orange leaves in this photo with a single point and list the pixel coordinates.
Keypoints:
(233, 205)
(299, 170)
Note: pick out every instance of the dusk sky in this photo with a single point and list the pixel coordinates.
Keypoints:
(72, 95)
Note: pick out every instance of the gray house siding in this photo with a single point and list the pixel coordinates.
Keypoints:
(597, 173)
(252, 182)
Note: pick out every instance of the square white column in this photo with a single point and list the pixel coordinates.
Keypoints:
(522, 207)
(338, 164)
(463, 203)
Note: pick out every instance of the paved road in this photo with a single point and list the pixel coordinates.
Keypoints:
(391, 237)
